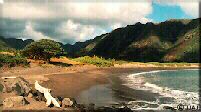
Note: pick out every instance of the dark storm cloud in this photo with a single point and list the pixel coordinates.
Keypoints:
(9, 27)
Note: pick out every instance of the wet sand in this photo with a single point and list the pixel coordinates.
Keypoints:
(73, 81)
(73, 84)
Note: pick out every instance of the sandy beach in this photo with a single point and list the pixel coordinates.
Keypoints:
(71, 81)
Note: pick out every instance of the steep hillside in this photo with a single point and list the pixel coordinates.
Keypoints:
(186, 49)
(149, 42)
(11, 44)
(82, 48)
(3, 46)
(16, 43)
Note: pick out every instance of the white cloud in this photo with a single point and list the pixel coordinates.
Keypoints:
(1, 1)
(29, 32)
(25, 10)
(127, 12)
(116, 25)
(191, 8)
(77, 31)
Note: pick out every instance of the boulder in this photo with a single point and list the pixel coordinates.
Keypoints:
(22, 86)
(74, 102)
(18, 85)
(67, 103)
(36, 95)
(14, 102)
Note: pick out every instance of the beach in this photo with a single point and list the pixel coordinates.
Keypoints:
(86, 83)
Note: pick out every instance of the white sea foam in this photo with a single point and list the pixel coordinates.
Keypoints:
(180, 96)
(147, 105)
(154, 71)
(149, 72)
(135, 81)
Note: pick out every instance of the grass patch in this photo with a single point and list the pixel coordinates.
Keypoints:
(12, 61)
(98, 61)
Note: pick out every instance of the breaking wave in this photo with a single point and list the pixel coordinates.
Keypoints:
(136, 81)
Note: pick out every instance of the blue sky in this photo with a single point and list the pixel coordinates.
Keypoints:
(165, 12)
(70, 22)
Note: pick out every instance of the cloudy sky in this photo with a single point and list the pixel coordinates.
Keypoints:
(71, 21)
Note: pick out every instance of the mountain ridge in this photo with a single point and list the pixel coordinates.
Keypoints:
(168, 41)
(156, 40)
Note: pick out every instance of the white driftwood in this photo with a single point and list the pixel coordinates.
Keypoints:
(47, 94)
(12, 77)
(40, 88)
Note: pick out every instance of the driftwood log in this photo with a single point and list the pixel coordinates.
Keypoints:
(47, 95)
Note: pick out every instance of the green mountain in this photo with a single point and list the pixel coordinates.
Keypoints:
(169, 41)
(7, 44)
(82, 48)
(3, 46)
(186, 48)
(16, 43)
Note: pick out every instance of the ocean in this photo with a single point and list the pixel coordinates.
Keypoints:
(150, 90)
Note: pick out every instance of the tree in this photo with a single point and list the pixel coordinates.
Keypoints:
(43, 49)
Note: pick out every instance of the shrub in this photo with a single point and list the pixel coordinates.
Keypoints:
(100, 62)
(12, 61)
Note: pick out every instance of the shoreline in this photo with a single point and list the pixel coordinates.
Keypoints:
(72, 81)
(96, 75)
(75, 83)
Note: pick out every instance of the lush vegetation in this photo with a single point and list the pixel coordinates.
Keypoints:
(98, 61)
(43, 50)
(15, 43)
(12, 61)
(5, 47)
(10, 57)
(169, 41)
(186, 49)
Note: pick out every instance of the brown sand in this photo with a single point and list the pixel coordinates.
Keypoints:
(67, 81)
(71, 84)
(70, 81)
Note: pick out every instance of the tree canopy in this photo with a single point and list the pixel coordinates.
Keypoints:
(43, 49)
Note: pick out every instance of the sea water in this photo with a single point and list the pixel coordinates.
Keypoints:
(163, 87)
(181, 85)
(185, 80)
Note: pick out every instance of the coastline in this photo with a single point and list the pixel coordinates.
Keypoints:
(72, 81)
(79, 78)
